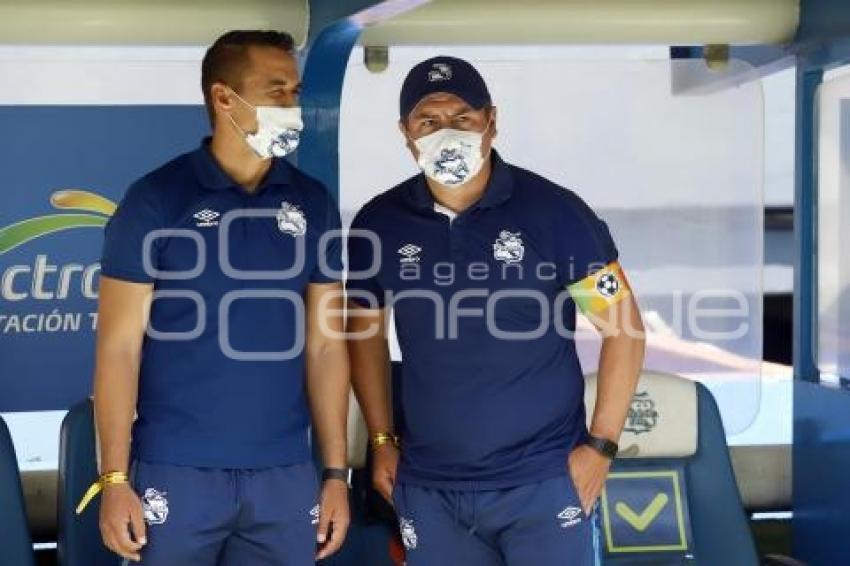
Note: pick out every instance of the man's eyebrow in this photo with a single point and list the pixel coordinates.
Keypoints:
(431, 114)
(465, 110)
(282, 82)
(418, 115)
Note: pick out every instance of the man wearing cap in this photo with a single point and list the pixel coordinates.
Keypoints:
(483, 264)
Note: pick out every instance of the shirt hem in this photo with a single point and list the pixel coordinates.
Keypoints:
(271, 456)
(408, 478)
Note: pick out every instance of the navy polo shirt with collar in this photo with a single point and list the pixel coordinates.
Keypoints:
(221, 381)
(491, 391)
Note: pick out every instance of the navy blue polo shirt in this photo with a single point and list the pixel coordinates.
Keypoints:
(221, 380)
(492, 392)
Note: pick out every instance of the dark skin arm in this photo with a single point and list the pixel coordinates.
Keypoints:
(370, 377)
(123, 309)
(620, 362)
(328, 391)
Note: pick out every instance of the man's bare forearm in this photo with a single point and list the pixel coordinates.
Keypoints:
(328, 391)
(620, 363)
(328, 386)
(123, 309)
(370, 369)
(115, 392)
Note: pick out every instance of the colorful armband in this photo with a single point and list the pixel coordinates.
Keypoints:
(601, 289)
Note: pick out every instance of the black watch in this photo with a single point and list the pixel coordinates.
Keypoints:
(341, 474)
(604, 446)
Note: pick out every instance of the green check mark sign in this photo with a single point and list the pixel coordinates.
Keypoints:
(641, 521)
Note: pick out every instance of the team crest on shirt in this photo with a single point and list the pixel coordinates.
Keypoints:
(155, 506)
(314, 515)
(508, 247)
(291, 219)
(408, 533)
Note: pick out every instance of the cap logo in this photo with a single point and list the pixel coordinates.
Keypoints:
(439, 72)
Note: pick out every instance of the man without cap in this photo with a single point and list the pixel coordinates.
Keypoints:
(217, 253)
(483, 264)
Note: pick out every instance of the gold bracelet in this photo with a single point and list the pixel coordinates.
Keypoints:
(97, 486)
(381, 438)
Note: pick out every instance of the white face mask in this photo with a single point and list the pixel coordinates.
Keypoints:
(278, 130)
(450, 157)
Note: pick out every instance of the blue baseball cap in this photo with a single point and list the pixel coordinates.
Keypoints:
(443, 74)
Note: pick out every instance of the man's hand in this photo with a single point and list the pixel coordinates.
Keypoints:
(384, 466)
(120, 515)
(589, 470)
(334, 518)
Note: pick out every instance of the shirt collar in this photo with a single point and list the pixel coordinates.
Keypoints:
(212, 176)
(499, 187)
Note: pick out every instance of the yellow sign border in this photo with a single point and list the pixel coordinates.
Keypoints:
(674, 476)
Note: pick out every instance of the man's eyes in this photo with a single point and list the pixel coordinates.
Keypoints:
(282, 92)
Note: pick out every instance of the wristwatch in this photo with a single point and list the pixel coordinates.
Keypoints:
(341, 474)
(604, 446)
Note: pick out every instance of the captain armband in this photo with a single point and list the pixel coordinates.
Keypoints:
(601, 289)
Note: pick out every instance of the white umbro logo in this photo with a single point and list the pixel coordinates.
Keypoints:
(409, 253)
(206, 217)
(570, 516)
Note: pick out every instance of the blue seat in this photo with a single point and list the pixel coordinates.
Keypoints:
(78, 536)
(15, 541)
(674, 425)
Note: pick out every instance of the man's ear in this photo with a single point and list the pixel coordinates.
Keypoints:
(222, 99)
(493, 118)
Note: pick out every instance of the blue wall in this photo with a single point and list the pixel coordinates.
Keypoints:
(100, 149)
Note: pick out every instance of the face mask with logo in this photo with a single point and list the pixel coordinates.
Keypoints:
(278, 130)
(450, 157)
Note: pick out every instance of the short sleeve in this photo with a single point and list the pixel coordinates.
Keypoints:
(592, 273)
(364, 262)
(584, 243)
(137, 215)
(329, 265)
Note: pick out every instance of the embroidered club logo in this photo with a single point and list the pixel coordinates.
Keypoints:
(607, 284)
(439, 72)
(314, 515)
(508, 247)
(206, 217)
(155, 506)
(570, 516)
(291, 219)
(642, 417)
(409, 253)
(408, 533)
